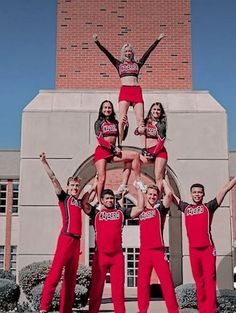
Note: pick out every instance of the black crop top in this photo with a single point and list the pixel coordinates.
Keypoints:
(131, 68)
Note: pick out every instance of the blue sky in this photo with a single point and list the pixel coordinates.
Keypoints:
(27, 57)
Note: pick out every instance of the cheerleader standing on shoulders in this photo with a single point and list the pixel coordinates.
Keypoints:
(108, 150)
(130, 92)
(155, 135)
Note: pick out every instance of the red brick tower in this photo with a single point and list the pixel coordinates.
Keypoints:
(80, 64)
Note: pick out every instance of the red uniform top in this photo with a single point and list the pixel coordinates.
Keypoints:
(104, 128)
(71, 215)
(131, 68)
(156, 131)
(198, 218)
(151, 223)
(108, 225)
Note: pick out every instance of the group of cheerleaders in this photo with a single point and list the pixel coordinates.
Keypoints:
(111, 133)
(198, 216)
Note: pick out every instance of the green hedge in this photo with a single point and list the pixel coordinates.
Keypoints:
(7, 275)
(9, 294)
(32, 276)
(226, 301)
(83, 276)
(81, 297)
(186, 296)
(36, 296)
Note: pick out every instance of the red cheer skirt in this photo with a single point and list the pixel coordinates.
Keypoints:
(102, 153)
(132, 94)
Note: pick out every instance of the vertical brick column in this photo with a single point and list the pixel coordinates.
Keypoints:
(8, 226)
(79, 63)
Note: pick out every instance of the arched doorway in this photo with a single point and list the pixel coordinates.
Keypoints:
(173, 232)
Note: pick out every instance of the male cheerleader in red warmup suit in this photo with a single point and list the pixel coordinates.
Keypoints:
(152, 249)
(108, 225)
(68, 245)
(198, 219)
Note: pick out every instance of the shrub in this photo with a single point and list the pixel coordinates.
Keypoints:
(21, 308)
(81, 297)
(7, 275)
(83, 276)
(33, 275)
(226, 301)
(186, 296)
(9, 294)
(36, 296)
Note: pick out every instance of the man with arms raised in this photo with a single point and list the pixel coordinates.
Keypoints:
(68, 245)
(108, 224)
(152, 249)
(198, 219)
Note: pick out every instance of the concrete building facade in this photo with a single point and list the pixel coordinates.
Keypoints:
(60, 122)
(65, 131)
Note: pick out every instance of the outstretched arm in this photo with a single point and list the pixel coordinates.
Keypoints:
(140, 205)
(89, 197)
(150, 49)
(111, 58)
(125, 124)
(167, 199)
(176, 200)
(223, 191)
(51, 175)
(93, 189)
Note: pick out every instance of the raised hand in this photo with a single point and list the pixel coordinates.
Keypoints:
(124, 120)
(147, 155)
(95, 37)
(42, 157)
(162, 35)
(118, 152)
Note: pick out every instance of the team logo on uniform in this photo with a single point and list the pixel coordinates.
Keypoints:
(108, 216)
(147, 214)
(152, 132)
(109, 128)
(133, 67)
(194, 211)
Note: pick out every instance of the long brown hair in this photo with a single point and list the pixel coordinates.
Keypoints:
(102, 116)
(162, 118)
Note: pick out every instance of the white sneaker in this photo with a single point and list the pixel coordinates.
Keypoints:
(140, 185)
(122, 188)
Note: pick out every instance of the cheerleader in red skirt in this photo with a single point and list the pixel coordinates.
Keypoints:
(109, 150)
(130, 92)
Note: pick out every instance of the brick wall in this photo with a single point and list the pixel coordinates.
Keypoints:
(81, 65)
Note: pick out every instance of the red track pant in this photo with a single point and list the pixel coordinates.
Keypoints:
(101, 264)
(66, 257)
(149, 259)
(203, 263)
